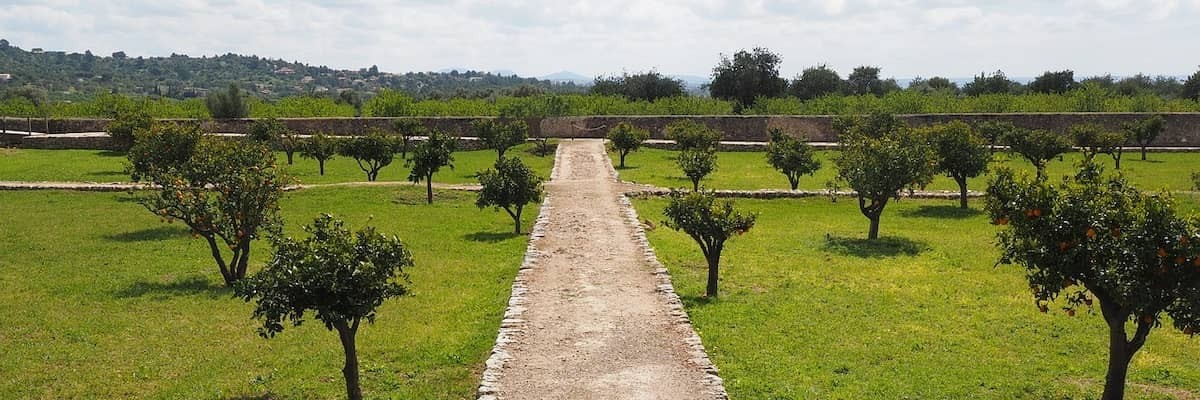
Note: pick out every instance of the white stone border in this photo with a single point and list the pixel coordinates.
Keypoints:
(513, 325)
(696, 353)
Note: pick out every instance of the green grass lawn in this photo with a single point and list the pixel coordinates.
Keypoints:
(817, 313)
(107, 166)
(102, 300)
(749, 170)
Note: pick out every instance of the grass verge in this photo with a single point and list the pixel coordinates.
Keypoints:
(811, 310)
(102, 300)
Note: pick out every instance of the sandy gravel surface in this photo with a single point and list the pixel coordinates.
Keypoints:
(595, 327)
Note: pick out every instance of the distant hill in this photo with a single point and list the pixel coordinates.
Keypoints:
(67, 76)
(568, 77)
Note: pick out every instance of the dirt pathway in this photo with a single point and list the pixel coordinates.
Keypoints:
(592, 322)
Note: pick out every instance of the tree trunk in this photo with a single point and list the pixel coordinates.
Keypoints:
(321, 164)
(289, 155)
(1117, 158)
(874, 232)
(962, 192)
(795, 182)
(623, 154)
(1118, 364)
(1143, 153)
(517, 220)
(350, 371)
(695, 185)
(714, 262)
(216, 254)
(429, 189)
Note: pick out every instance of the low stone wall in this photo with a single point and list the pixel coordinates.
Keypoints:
(1183, 129)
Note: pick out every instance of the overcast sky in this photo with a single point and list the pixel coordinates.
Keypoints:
(953, 38)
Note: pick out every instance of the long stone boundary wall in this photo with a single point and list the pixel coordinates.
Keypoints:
(1183, 129)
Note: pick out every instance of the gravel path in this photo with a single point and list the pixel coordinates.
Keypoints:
(593, 324)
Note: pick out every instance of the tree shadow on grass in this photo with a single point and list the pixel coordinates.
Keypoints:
(942, 211)
(883, 247)
(490, 237)
(696, 300)
(187, 286)
(626, 167)
(112, 153)
(107, 173)
(164, 232)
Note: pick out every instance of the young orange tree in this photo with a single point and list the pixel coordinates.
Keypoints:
(709, 223)
(624, 138)
(1094, 239)
(961, 153)
(791, 156)
(881, 156)
(342, 277)
(510, 186)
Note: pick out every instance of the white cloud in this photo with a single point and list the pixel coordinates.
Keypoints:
(905, 37)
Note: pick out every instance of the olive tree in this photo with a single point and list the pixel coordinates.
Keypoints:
(1097, 237)
(791, 156)
(624, 138)
(1038, 146)
(881, 156)
(748, 76)
(961, 153)
(372, 152)
(1144, 131)
(697, 164)
(692, 135)
(225, 191)
(342, 277)
(1093, 139)
(710, 223)
(320, 147)
(510, 186)
(500, 134)
(435, 152)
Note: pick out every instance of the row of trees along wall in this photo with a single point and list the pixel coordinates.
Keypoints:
(1183, 129)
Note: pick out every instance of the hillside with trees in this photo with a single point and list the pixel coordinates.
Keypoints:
(74, 76)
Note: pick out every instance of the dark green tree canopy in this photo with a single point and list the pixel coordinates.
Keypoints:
(1096, 237)
(865, 80)
(624, 138)
(697, 164)
(791, 156)
(372, 152)
(510, 186)
(1037, 146)
(1093, 139)
(320, 147)
(815, 82)
(989, 84)
(1144, 131)
(223, 190)
(339, 276)
(266, 130)
(1191, 87)
(880, 156)
(500, 134)
(710, 223)
(1054, 82)
(691, 135)
(230, 103)
(748, 76)
(431, 155)
(961, 153)
(935, 84)
(646, 86)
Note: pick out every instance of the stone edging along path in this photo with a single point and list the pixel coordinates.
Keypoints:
(512, 325)
(592, 313)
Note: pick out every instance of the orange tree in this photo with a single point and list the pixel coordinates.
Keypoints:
(510, 186)
(372, 152)
(1144, 131)
(227, 191)
(880, 155)
(709, 223)
(342, 277)
(961, 153)
(791, 156)
(1094, 239)
(1037, 146)
(431, 155)
(1093, 139)
(500, 134)
(624, 138)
